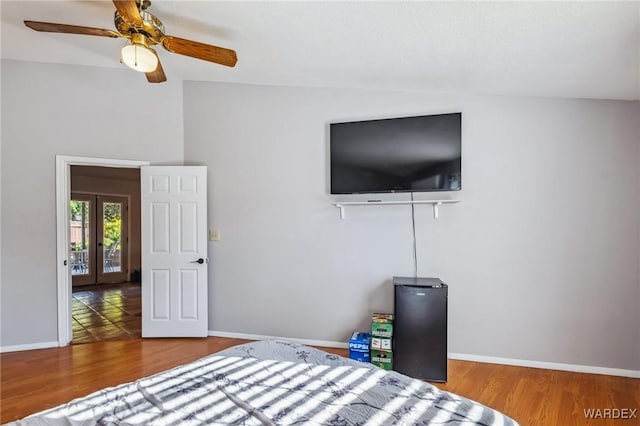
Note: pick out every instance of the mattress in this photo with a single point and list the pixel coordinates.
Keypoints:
(272, 382)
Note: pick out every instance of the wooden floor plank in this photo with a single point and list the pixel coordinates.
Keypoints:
(33, 381)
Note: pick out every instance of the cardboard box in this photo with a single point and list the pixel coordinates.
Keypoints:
(382, 318)
(381, 343)
(360, 342)
(360, 356)
(382, 359)
(382, 325)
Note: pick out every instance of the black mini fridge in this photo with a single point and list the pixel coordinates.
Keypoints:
(420, 328)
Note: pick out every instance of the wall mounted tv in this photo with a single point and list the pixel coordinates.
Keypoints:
(410, 154)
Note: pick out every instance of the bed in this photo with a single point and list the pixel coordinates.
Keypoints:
(271, 383)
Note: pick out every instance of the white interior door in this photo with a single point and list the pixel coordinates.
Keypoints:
(174, 251)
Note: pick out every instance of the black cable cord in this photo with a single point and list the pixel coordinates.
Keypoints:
(415, 249)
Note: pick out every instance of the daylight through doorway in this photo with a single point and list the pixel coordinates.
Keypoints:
(98, 235)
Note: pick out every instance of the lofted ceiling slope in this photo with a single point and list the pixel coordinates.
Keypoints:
(550, 49)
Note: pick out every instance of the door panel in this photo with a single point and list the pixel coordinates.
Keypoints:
(160, 294)
(112, 239)
(159, 228)
(188, 294)
(174, 251)
(188, 228)
(82, 233)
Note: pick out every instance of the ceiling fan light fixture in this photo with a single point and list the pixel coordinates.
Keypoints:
(139, 58)
(142, 29)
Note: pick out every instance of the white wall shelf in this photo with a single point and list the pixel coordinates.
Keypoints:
(434, 203)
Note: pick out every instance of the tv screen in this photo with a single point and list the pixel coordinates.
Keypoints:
(410, 154)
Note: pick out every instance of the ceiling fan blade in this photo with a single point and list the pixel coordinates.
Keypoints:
(70, 29)
(156, 76)
(128, 9)
(206, 52)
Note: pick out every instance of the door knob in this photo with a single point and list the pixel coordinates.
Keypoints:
(200, 261)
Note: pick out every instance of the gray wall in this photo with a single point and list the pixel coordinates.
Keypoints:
(541, 255)
(67, 110)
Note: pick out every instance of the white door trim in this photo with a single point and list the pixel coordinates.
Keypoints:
(63, 195)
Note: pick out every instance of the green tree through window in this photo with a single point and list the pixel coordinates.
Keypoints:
(112, 224)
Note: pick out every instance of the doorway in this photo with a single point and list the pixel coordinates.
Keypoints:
(64, 163)
(99, 237)
(104, 253)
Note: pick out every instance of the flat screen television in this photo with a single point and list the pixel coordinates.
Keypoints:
(409, 154)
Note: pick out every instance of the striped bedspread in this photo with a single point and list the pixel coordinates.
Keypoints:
(272, 383)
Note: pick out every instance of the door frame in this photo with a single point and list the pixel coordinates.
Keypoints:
(63, 196)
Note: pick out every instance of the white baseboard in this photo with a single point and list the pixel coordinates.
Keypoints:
(28, 347)
(548, 365)
(325, 343)
(463, 357)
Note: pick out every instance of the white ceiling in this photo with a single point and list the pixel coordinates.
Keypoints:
(558, 49)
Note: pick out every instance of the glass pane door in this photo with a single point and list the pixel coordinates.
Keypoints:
(112, 215)
(81, 225)
(112, 231)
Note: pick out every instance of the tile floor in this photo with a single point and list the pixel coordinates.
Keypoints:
(106, 312)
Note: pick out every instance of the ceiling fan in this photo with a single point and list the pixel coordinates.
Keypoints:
(143, 30)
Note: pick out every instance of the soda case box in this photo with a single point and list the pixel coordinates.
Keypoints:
(360, 341)
(381, 343)
(382, 325)
(360, 356)
(384, 318)
(382, 359)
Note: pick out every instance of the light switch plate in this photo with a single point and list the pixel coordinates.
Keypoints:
(214, 235)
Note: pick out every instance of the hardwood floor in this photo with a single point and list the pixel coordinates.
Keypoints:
(32, 381)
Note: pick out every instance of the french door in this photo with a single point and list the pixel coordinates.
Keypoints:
(99, 239)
